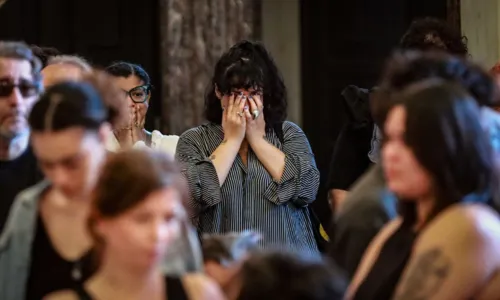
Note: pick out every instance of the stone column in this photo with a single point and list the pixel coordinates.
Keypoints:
(194, 33)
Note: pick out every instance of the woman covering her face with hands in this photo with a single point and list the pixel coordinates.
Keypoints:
(136, 84)
(248, 168)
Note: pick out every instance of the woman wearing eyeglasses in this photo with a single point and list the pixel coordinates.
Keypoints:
(136, 84)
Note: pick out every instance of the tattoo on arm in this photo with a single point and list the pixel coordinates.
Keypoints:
(425, 276)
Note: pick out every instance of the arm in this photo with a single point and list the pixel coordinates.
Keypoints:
(204, 174)
(223, 158)
(455, 267)
(296, 177)
(272, 158)
(335, 199)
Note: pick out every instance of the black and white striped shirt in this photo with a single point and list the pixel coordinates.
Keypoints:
(249, 197)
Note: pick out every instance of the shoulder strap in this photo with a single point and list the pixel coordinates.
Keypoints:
(175, 289)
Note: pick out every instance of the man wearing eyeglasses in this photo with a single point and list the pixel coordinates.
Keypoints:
(20, 86)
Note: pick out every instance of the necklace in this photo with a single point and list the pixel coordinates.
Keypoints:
(76, 272)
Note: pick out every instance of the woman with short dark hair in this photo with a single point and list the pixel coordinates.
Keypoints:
(136, 85)
(248, 168)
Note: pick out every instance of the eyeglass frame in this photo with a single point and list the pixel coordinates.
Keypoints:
(35, 84)
(146, 87)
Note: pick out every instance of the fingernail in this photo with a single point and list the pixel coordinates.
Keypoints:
(246, 107)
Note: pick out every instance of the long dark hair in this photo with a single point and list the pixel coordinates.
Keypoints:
(248, 65)
(444, 131)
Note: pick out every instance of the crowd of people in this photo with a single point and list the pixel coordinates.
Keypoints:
(94, 206)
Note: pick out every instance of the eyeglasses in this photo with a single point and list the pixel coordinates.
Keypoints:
(139, 94)
(27, 88)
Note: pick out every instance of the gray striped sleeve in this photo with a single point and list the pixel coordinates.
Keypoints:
(300, 180)
(203, 182)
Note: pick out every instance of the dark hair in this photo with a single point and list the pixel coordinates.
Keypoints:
(20, 50)
(126, 179)
(126, 69)
(434, 34)
(404, 68)
(87, 104)
(44, 53)
(444, 131)
(248, 65)
(282, 276)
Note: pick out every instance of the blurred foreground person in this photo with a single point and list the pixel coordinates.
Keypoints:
(368, 208)
(45, 246)
(136, 85)
(224, 256)
(137, 213)
(284, 276)
(439, 162)
(20, 87)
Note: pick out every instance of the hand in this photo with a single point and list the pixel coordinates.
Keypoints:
(233, 118)
(256, 128)
(138, 121)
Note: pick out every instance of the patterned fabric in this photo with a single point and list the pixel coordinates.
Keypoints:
(250, 199)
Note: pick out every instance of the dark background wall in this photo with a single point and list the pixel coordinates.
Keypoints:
(102, 31)
(346, 42)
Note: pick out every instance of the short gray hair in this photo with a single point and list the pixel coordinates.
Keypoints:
(73, 60)
(21, 51)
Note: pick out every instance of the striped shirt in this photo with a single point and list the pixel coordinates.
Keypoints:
(250, 199)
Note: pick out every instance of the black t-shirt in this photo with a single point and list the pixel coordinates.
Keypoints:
(15, 176)
(350, 156)
(49, 272)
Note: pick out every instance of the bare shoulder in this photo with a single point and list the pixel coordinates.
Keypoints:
(62, 295)
(465, 222)
(200, 287)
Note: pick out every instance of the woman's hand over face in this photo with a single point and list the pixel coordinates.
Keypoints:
(233, 118)
(256, 126)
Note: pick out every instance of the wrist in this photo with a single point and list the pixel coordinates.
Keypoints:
(232, 141)
(255, 138)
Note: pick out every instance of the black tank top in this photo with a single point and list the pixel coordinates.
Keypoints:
(384, 276)
(49, 272)
(175, 290)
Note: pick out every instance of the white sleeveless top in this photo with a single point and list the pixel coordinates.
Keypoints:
(164, 143)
